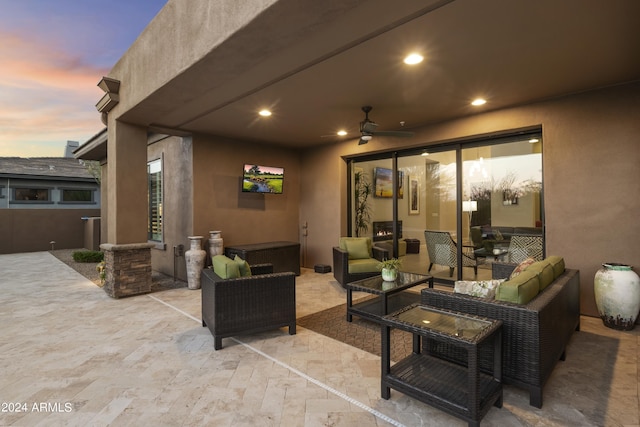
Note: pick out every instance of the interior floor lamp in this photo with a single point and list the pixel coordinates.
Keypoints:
(470, 206)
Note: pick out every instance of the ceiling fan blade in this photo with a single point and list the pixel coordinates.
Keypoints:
(400, 133)
(368, 127)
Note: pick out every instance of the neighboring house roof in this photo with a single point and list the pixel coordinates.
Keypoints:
(44, 167)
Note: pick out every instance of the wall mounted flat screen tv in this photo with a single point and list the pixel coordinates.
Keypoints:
(262, 179)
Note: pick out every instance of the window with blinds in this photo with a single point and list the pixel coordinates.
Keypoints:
(154, 176)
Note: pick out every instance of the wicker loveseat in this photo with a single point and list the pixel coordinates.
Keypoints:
(262, 301)
(535, 334)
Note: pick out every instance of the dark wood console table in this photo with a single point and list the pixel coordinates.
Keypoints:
(285, 256)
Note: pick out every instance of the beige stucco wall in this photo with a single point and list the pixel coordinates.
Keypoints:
(176, 154)
(219, 204)
(591, 158)
(159, 54)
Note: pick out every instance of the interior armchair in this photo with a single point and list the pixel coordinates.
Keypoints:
(356, 258)
(524, 246)
(442, 250)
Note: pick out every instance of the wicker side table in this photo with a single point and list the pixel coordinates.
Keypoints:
(462, 391)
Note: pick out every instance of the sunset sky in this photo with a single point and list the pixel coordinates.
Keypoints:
(52, 55)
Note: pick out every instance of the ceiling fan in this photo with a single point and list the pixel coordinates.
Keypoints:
(368, 128)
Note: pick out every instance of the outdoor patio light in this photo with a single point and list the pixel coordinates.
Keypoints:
(413, 59)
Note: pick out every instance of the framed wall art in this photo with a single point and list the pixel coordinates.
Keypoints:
(382, 183)
(414, 196)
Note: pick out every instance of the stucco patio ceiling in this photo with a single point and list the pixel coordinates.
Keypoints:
(315, 63)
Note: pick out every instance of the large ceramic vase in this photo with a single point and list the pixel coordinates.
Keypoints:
(617, 292)
(195, 261)
(216, 243)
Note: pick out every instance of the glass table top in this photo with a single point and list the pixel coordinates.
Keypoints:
(376, 284)
(429, 318)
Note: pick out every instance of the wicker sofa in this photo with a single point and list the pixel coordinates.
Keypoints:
(262, 301)
(535, 334)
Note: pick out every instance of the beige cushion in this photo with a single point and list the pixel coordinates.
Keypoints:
(557, 263)
(225, 267)
(521, 289)
(363, 265)
(478, 288)
(544, 270)
(243, 266)
(358, 248)
(521, 267)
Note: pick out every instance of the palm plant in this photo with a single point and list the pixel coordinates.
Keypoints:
(362, 191)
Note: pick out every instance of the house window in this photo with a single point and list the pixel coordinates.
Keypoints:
(75, 195)
(32, 194)
(154, 177)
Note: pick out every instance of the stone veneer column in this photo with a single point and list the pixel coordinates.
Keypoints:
(127, 269)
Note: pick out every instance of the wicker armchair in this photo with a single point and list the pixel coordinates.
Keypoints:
(347, 270)
(524, 246)
(246, 305)
(534, 335)
(442, 250)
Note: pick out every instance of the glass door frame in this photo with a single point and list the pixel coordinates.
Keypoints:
(458, 146)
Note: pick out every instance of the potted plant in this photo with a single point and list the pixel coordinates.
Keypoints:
(362, 191)
(389, 268)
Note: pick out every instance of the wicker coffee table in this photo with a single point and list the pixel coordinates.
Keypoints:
(462, 391)
(390, 295)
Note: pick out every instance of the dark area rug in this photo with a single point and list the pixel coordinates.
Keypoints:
(360, 333)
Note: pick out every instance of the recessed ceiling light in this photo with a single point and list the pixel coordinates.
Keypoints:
(342, 132)
(533, 140)
(265, 113)
(413, 59)
(479, 101)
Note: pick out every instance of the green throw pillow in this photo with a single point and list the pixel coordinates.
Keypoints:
(557, 262)
(521, 289)
(243, 267)
(358, 248)
(544, 270)
(225, 267)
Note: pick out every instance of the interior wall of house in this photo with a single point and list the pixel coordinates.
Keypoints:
(219, 203)
(590, 170)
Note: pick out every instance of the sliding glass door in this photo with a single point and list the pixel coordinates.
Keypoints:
(456, 208)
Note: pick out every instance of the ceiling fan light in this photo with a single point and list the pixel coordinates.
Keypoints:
(366, 137)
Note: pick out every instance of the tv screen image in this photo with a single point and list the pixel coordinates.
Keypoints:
(262, 179)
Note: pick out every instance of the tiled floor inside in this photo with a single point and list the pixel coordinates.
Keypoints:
(70, 355)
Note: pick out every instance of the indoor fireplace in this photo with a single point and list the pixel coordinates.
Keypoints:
(383, 230)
